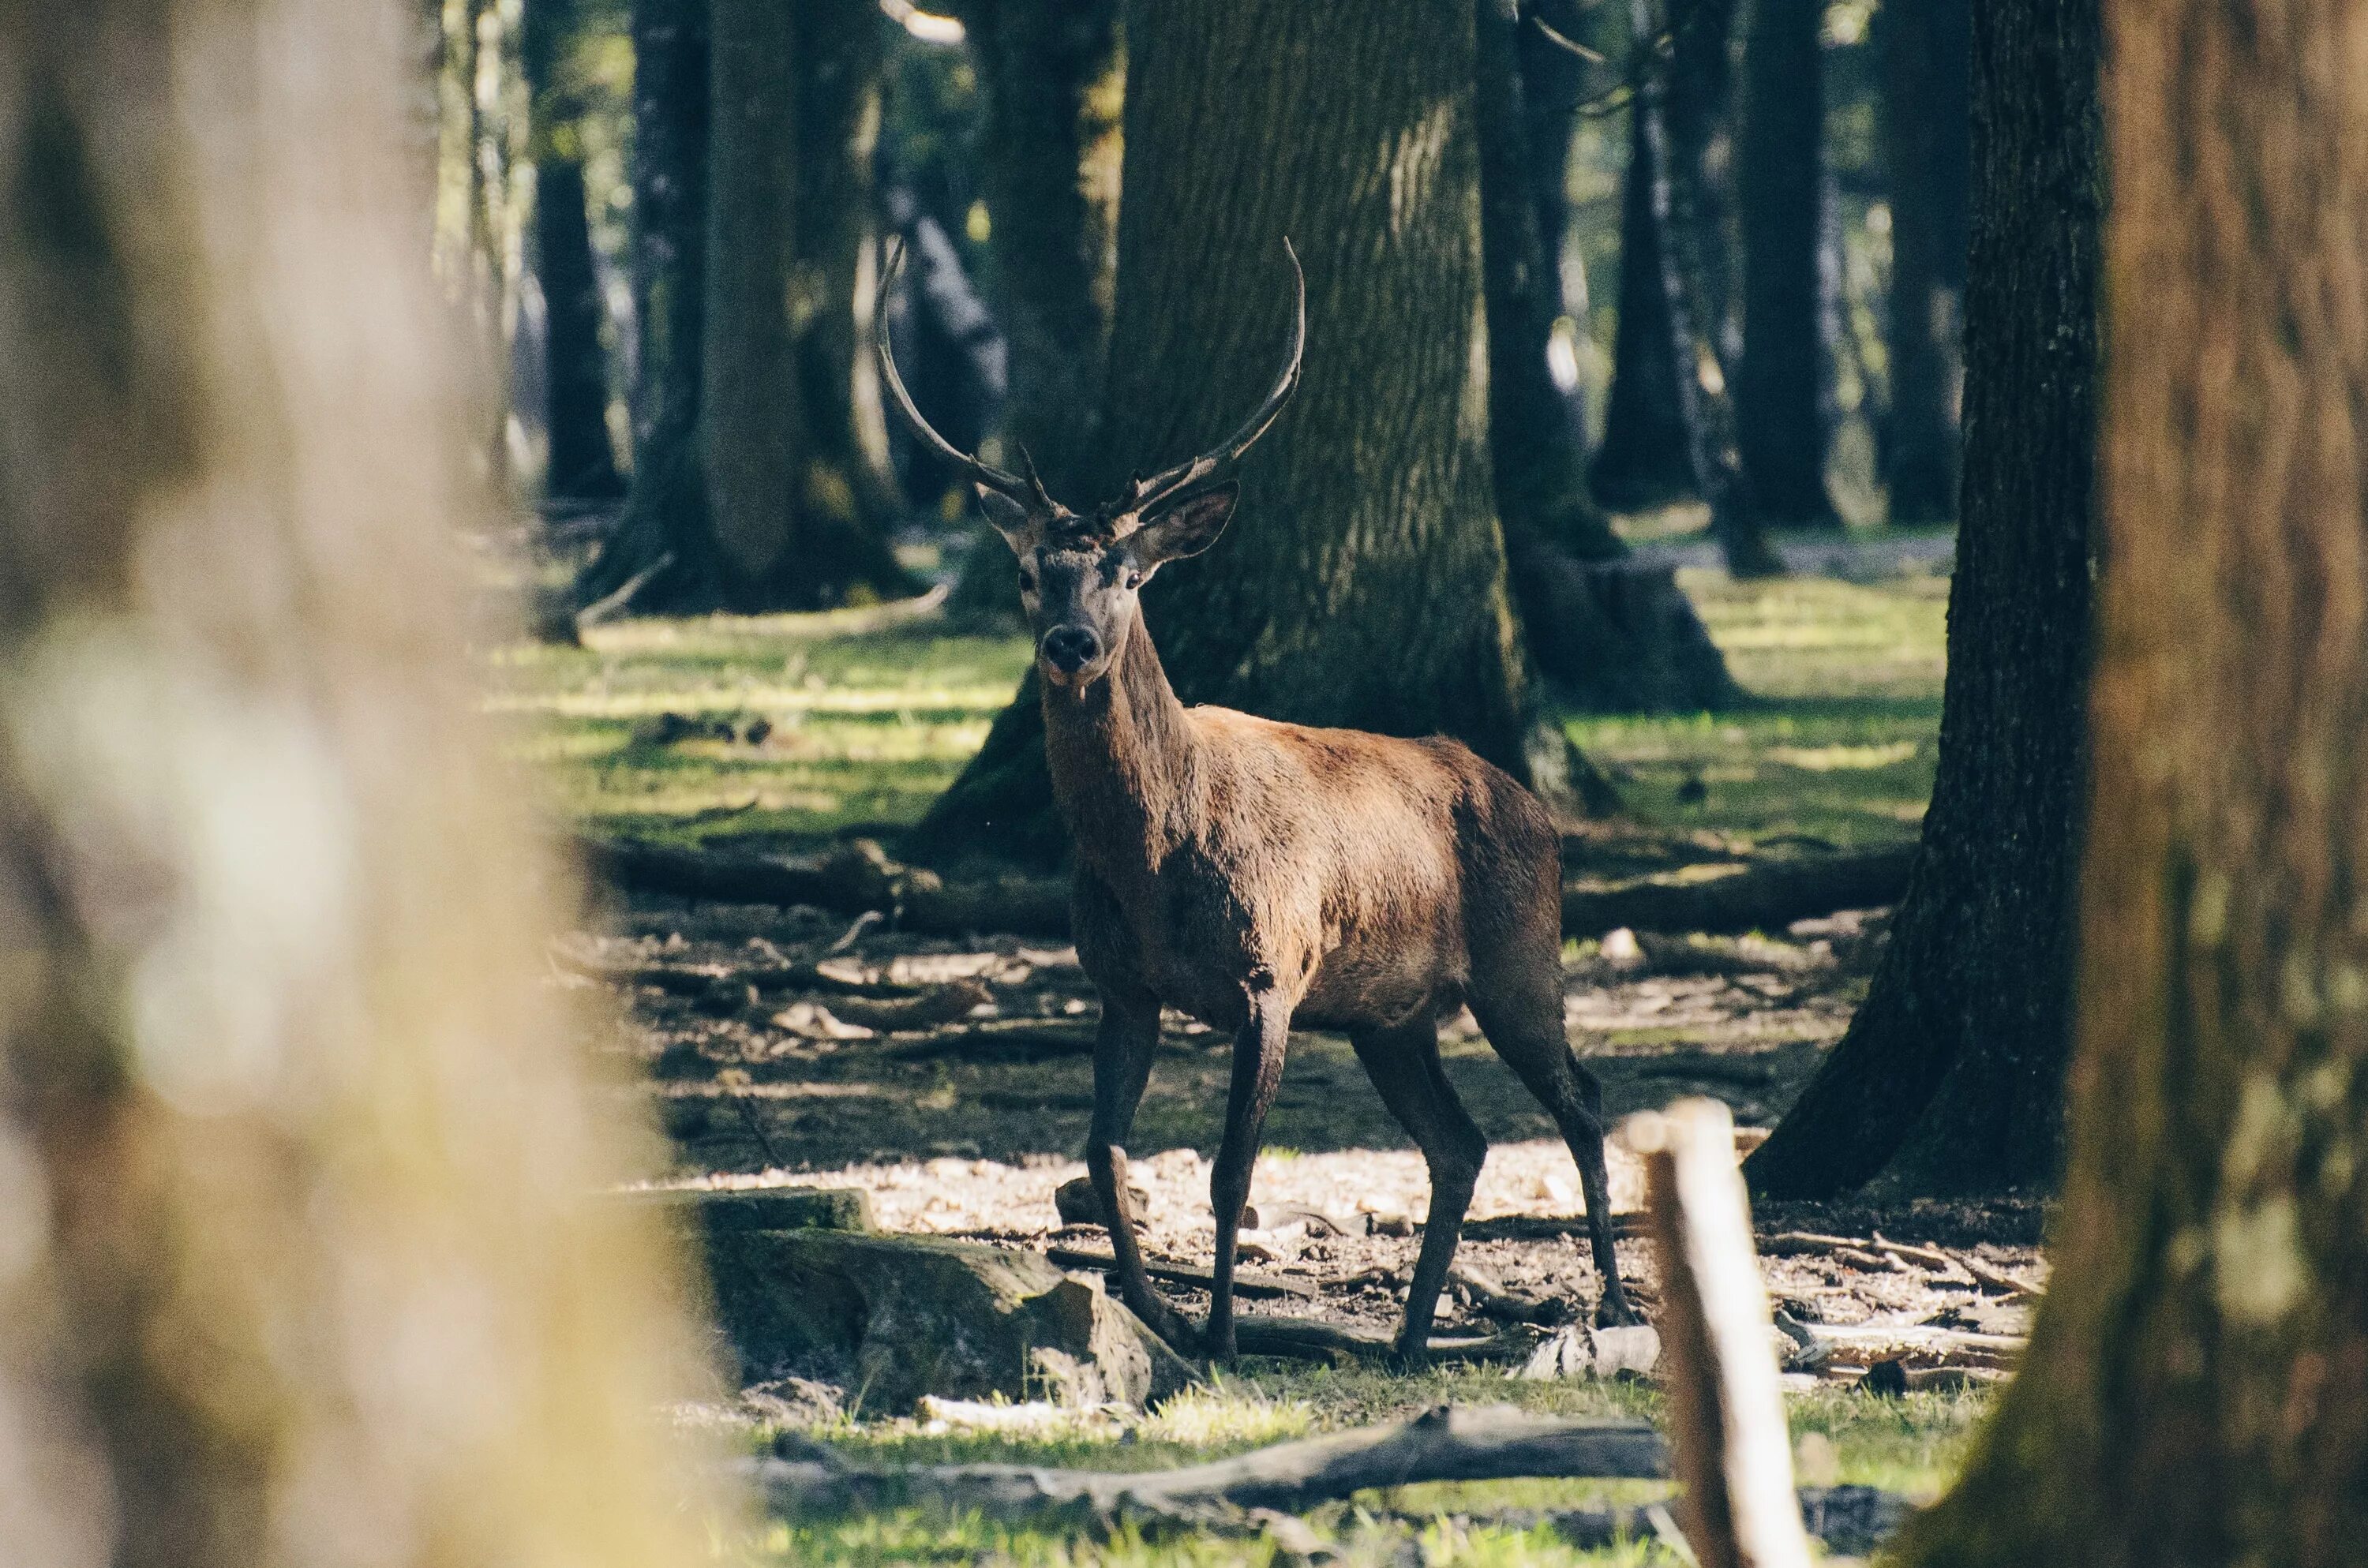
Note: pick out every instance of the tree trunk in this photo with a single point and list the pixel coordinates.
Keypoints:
(1553, 84)
(1651, 417)
(1050, 78)
(1925, 118)
(1953, 1071)
(841, 52)
(303, 1260)
(1606, 634)
(666, 507)
(580, 462)
(2194, 1388)
(1783, 385)
(762, 506)
(1362, 581)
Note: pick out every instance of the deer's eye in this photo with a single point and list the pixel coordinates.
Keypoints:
(1027, 581)
(1130, 579)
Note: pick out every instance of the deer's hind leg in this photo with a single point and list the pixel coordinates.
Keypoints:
(1403, 1062)
(1520, 1009)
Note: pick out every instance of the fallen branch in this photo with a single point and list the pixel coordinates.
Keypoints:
(851, 880)
(1245, 1282)
(1766, 896)
(1445, 1444)
(1016, 1039)
(1305, 1339)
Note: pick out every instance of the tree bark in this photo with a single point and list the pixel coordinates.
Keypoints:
(1783, 384)
(666, 507)
(1952, 1072)
(1606, 635)
(1554, 87)
(301, 1263)
(1926, 118)
(580, 462)
(1651, 416)
(1049, 76)
(1363, 583)
(763, 504)
(2193, 1390)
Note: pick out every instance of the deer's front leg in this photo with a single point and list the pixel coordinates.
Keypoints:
(1258, 1074)
(1122, 1052)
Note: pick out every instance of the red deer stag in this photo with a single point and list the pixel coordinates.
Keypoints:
(1258, 875)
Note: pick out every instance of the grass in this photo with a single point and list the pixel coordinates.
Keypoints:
(1908, 1446)
(871, 715)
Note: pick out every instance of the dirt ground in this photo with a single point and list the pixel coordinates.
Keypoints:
(952, 1081)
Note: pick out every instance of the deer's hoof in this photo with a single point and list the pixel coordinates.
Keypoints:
(1615, 1312)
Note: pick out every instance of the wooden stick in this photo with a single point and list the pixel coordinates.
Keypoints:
(1445, 1444)
(1726, 1412)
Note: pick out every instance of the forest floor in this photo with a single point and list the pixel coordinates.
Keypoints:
(951, 1078)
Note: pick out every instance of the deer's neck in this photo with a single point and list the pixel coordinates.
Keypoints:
(1122, 759)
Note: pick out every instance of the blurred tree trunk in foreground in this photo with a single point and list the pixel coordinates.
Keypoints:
(770, 492)
(2196, 1390)
(1606, 634)
(1363, 583)
(1925, 118)
(1051, 79)
(1783, 385)
(1952, 1071)
(304, 1261)
(582, 463)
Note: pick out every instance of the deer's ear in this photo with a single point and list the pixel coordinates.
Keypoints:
(1186, 528)
(1021, 528)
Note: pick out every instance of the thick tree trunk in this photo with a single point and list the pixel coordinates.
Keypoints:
(1605, 634)
(1050, 77)
(761, 505)
(1952, 1072)
(1925, 118)
(304, 1264)
(1553, 89)
(580, 462)
(1363, 583)
(582, 465)
(1651, 417)
(2196, 1390)
(841, 51)
(1783, 384)
(666, 507)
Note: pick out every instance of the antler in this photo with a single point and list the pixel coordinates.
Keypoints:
(1142, 493)
(1026, 490)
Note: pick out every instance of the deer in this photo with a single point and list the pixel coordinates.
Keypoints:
(1262, 877)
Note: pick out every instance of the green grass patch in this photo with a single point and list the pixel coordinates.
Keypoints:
(1840, 745)
(1910, 1445)
(871, 715)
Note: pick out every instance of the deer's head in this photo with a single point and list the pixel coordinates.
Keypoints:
(1079, 573)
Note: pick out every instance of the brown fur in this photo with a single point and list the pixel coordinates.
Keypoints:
(1260, 876)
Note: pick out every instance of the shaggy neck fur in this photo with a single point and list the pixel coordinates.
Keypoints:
(1123, 763)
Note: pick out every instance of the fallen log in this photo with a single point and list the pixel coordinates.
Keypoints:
(1305, 1339)
(1245, 1283)
(1766, 896)
(1444, 1444)
(851, 880)
(858, 877)
(1009, 1040)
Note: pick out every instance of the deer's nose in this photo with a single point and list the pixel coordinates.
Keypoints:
(1071, 648)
